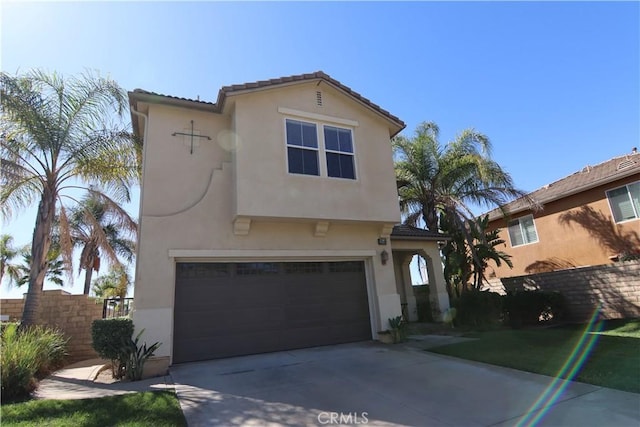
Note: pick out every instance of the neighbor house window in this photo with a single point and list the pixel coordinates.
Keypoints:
(302, 147)
(625, 202)
(522, 231)
(339, 151)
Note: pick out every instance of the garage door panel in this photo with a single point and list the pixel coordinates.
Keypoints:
(224, 310)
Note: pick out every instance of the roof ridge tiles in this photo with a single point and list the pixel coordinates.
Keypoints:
(224, 90)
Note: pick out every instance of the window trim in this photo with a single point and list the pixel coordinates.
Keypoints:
(635, 211)
(302, 147)
(321, 149)
(519, 219)
(339, 152)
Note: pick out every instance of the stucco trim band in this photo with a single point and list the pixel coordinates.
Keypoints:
(284, 255)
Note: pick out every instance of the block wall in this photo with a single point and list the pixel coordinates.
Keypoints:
(71, 314)
(615, 287)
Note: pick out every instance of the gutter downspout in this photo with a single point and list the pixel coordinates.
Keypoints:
(140, 215)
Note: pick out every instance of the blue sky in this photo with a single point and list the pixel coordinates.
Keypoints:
(555, 85)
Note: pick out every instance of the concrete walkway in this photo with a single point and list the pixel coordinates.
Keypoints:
(82, 381)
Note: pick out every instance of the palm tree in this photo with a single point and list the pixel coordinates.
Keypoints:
(55, 267)
(113, 284)
(434, 179)
(101, 228)
(7, 253)
(485, 248)
(464, 264)
(58, 134)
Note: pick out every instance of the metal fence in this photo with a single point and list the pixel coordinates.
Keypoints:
(116, 307)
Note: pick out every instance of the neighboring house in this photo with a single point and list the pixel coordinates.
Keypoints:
(591, 217)
(267, 220)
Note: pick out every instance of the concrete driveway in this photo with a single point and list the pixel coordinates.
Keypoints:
(373, 384)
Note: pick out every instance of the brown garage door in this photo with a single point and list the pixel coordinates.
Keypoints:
(231, 309)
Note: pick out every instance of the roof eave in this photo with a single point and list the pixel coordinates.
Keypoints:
(576, 190)
(177, 102)
(397, 124)
(423, 238)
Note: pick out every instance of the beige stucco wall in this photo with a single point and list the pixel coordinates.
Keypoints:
(438, 288)
(266, 188)
(592, 241)
(190, 201)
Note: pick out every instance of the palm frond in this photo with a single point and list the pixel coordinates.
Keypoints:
(65, 240)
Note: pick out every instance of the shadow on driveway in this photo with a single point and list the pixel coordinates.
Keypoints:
(372, 384)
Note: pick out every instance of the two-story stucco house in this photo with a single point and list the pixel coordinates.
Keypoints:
(267, 220)
(590, 217)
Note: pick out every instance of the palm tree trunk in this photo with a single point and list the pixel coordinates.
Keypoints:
(87, 277)
(39, 249)
(430, 217)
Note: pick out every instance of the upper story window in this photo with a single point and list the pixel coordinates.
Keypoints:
(302, 147)
(522, 231)
(625, 202)
(339, 152)
(305, 145)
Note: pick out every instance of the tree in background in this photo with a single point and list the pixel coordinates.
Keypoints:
(113, 284)
(438, 184)
(55, 272)
(464, 264)
(101, 228)
(57, 134)
(435, 179)
(485, 249)
(7, 253)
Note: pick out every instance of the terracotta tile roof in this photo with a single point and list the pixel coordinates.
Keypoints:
(585, 179)
(407, 232)
(147, 96)
(318, 75)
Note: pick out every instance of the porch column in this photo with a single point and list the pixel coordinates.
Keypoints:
(412, 308)
(438, 295)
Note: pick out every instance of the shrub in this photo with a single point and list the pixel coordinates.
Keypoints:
(108, 338)
(136, 356)
(477, 309)
(527, 308)
(398, 329)
(28, 355)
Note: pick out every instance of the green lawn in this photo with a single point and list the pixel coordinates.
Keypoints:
(157, 408)
(614, 359)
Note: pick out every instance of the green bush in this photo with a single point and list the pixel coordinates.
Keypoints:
(477, 309)
(108, 338)
(135, 356)
(398, 329)
(28, 355)
(527, 308)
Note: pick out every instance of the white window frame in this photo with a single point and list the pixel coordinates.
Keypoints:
(345, 153)
(322, 150)
(302, 147)
(522, 232)
(633, 206)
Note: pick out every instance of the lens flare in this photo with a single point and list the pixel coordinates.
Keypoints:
(571, 367)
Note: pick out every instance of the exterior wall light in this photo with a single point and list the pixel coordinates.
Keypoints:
(384, 257)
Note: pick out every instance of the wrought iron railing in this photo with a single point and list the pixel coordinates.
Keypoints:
(116, 307)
